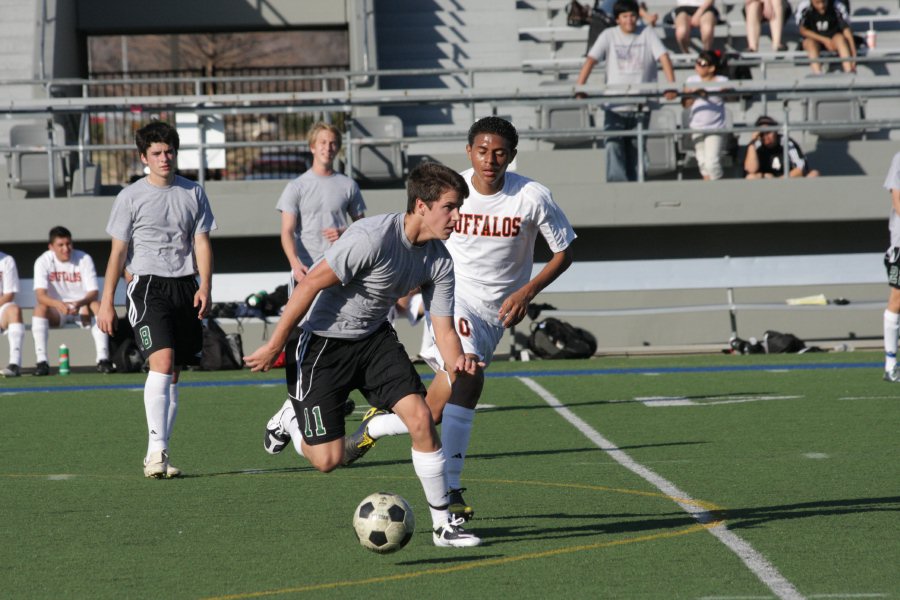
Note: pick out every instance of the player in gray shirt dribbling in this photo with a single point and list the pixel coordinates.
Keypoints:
(347, 343)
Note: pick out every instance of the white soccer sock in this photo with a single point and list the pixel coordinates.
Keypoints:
(891, 330)
(456, 428)
(156, 405)
(40, 331)
(101, 341)
(290, 422)
(431, 468)
(172, 411)
(16, 334)
(384, 425)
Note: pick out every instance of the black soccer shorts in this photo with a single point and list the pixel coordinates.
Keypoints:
(162, 313)
(892, 265)
(330, 368)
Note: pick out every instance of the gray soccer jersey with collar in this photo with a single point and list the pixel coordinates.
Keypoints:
(377, 265)
(159, 224)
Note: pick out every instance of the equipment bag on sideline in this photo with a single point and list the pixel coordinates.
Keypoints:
(552, 338)
(123, 350)
(776, 342)
(221, 351)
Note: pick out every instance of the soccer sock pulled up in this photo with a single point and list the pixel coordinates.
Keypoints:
(156, 405)
(290, 422)
(40, 331)
(172, 411)
(16, 334)
(456, 429)
(430, 468)
(384, 425)
(891, 330)
(101, 341)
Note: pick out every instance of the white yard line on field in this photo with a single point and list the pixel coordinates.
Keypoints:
(756, 562)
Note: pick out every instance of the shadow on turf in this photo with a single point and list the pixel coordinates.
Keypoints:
(605, 524)
(532, 453)
(743, 518)
(280, 471)
(570, 404)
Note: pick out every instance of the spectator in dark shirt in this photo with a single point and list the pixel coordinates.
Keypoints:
(823, 28)
(765, 155)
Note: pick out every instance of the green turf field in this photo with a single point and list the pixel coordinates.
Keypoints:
(727, 477)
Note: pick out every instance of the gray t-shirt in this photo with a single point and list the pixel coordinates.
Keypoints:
(630, 57)
(319, 202)
(892, 182)
(377, 265)
(159, 224)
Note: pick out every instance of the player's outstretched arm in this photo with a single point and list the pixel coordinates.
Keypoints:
(204, 256)
(106, 318)
(320, 277)
(514, 308)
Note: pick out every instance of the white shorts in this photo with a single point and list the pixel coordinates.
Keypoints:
(478, 337)
(76, 319)
(3, 310)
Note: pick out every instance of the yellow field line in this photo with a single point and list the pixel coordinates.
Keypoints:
(493, 562)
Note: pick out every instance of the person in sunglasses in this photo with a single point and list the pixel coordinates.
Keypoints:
(707, 106)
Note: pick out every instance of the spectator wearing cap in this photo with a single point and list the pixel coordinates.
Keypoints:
(707, 112)
(765, 155)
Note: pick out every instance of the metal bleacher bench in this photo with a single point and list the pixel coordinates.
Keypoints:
(726, 274)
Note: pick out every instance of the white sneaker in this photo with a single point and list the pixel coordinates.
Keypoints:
(277, 436)
(172, 472)
(156, 464)
(452, 534)
(892, 376)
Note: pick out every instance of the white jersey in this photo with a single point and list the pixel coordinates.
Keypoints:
(67, 281)
(493, 245)
(892, 182)
(9, 275)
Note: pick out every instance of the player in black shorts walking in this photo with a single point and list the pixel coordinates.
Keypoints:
(347, 343)
(160, 241)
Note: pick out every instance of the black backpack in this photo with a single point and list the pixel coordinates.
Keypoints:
(221, 351)
(776, 342)
(552, 338)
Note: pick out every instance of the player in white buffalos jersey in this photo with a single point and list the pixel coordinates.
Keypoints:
(492, 250)
(892, 264)
(66, 291)
(11, 324)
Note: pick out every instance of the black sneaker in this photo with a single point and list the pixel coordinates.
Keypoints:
(105, 366)
(458, 507)
(359, 442)
(452, 534)
(11, 371)
(42, 369)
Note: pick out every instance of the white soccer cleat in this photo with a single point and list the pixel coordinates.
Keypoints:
(277, 436)
(156, 464)
(892, 376)
(452, 535)
(172, 472)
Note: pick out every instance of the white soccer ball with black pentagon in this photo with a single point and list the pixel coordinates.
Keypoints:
(384, 522)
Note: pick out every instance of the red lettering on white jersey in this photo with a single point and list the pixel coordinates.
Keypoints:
(489, 225)
(64, 276)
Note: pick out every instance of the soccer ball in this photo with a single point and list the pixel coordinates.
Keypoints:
(384, 522)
